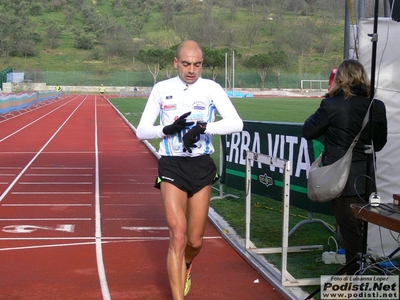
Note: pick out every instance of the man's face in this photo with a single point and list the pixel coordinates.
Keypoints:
(189, 65)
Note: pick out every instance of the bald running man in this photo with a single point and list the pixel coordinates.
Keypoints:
(186, 105)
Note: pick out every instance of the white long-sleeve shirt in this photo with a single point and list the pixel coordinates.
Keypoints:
(171, 98)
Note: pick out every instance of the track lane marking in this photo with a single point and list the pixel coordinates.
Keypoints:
(99, 249)
(32, 228)
(47, 204)
(46, 219)
(29, 124)
(104, 241)
(63, 168)
(133, 204)
(140, 238)
(55, 182)
(63, 175)
(13, 183)
(52, 193)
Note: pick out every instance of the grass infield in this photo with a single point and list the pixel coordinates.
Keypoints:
(266, 226)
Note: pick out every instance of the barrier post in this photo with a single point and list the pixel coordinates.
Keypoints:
(286, 278)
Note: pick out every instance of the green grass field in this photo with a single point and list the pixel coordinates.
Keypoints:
(266, 226)
(294, 110)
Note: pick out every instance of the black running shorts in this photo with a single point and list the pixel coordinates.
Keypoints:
(189, 174)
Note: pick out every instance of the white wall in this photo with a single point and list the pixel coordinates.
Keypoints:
(387, 81)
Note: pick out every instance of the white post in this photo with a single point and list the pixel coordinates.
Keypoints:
(248, 199)
(233, 73)
(226, 71)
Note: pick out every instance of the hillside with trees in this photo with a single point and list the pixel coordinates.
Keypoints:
(288, 36)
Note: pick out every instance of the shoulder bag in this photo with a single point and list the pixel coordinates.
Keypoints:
(327, 182)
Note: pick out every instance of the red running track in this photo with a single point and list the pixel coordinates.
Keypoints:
(80, 218)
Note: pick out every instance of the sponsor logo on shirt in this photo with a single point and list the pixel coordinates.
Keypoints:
(169, 107)
(199, 106)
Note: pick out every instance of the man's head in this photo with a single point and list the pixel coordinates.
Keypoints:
(189, 61)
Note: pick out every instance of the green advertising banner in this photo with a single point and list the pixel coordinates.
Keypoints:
(283, 140)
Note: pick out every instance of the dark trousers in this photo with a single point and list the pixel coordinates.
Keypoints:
(350, 228)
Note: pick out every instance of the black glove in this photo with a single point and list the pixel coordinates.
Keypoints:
(192, 136)
(178, 125)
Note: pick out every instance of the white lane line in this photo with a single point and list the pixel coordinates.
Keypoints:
(132, 219)
(47, 204)
(55, 182)
(99, 250)
(48, 152)
(27, 125)
(143, 228)
(62, 168)
(133, 204)
(51, 193)
(128, 175)
(126, 183)
(130, 193)
(37, 154)
(110, 238)
(87, 243)
(46, 219)
(56, 175)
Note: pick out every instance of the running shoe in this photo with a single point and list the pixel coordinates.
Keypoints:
(188, 281)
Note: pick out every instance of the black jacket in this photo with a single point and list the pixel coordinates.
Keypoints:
(339, 121)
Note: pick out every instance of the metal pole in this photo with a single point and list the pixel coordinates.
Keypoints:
(386, 9)
(233, 72)
(374, 40)
(226, 71)
(346, 47)
(361, 9)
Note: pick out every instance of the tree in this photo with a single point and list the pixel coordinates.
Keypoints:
(114, 40)
(53, 33)
(84, 40)
(262, 63)
(214, 59)
(279, 59)
(155, 60)
(168, 11)
(251, 31)
(35, 9)
(7, 26)
(299, 37)
(204, 26)
(26, 46)
(133, 46)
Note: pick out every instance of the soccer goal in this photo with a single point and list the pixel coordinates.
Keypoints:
(318, 85)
